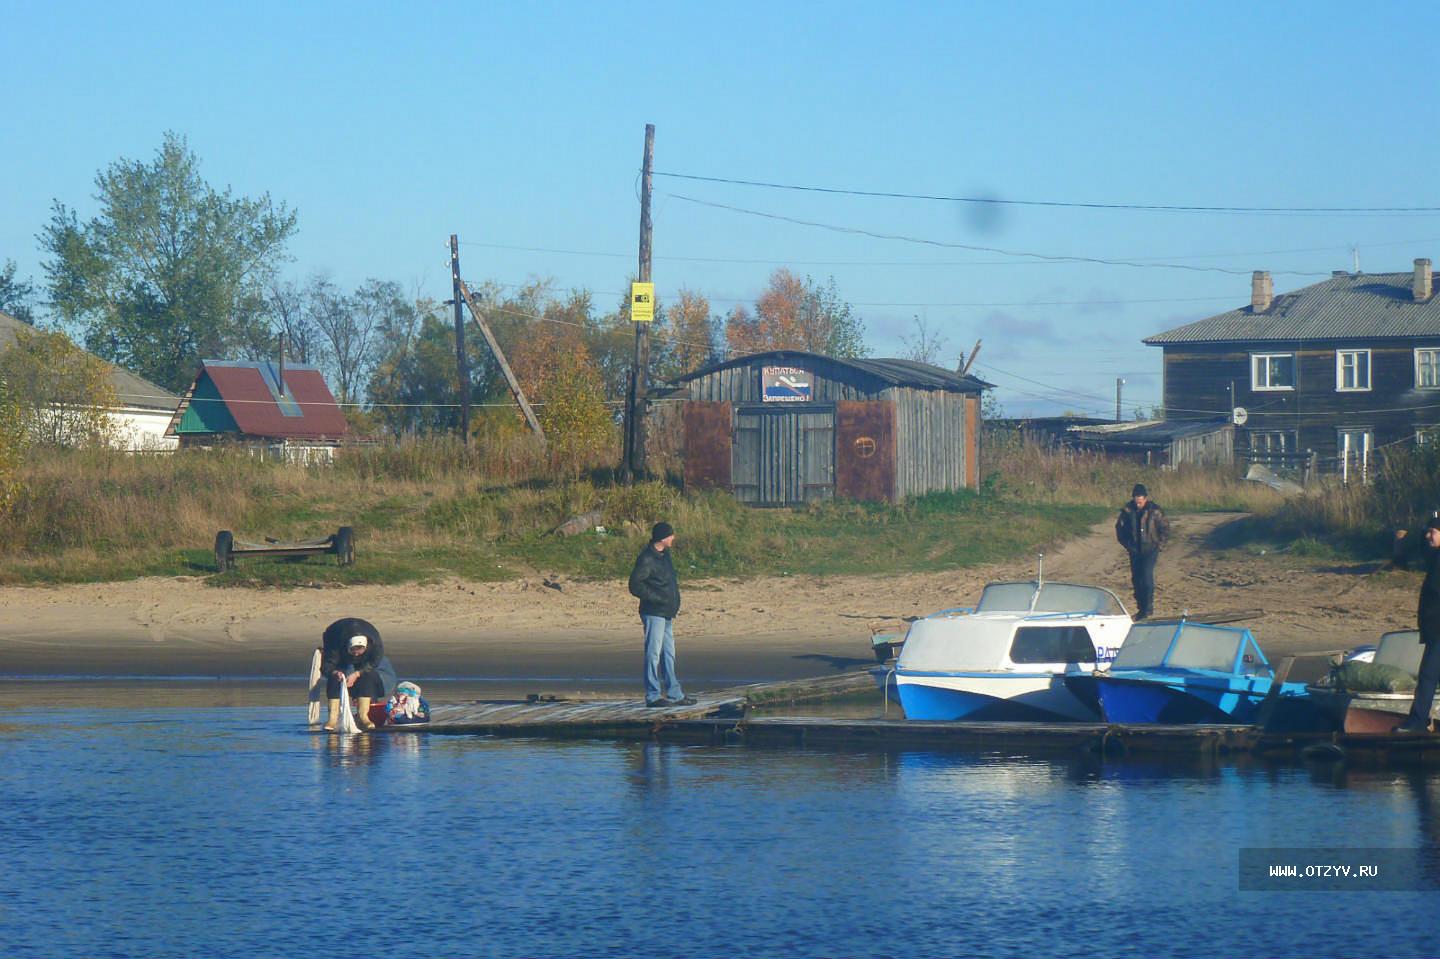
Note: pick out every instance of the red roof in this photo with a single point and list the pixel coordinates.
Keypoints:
(253, 405)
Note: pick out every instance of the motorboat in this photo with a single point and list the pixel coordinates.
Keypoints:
(1366, 701)
(1007, 658)
(1179, 671)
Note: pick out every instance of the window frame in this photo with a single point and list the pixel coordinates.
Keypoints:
(1286, 449)
(1435, 367)
(1340, 386)
(1255, 385)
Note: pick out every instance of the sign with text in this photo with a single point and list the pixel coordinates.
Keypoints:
(785, 384)
(642, 302)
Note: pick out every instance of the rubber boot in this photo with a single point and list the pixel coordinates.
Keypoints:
(362, 710)
(333, 722)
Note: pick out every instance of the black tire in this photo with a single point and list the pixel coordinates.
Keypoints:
(224, 545)
(344, 546)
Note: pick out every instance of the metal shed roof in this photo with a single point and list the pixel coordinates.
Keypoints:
(307, 410)
(895, 372)
(1346, 306)
(132, 391)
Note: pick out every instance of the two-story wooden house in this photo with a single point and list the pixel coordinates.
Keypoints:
(1340, 369)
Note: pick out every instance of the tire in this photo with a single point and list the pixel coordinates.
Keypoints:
(224, 544)
(344, 546)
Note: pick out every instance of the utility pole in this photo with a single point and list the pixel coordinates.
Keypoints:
(1118, 383)
(462, 362)
(639, 374)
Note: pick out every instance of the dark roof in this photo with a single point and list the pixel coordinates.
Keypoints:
(895, 372)
(1158, 432)
(258, 410)
(1346, 306)
(130, 390)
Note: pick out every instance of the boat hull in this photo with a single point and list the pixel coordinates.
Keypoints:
(985, 697)
(1194, 701)
(1364, 712)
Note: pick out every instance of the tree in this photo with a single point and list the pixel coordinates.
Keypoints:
(62, 396)
(170, 271)
(353, 327)
(560, 377)
(16, 295)
(796, 314)
(926, 346)
(691, 336)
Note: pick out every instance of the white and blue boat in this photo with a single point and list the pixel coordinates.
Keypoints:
(1008, 658)
(1185, 672)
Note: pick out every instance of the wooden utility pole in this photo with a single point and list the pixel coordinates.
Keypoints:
(462, 292)
(639, 375)
(462, 361)
(969, 360)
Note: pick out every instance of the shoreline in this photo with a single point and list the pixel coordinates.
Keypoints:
(546, 629)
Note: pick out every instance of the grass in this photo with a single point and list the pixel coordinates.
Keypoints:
(428, 510)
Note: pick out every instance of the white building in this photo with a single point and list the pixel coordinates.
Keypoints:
(144, 409)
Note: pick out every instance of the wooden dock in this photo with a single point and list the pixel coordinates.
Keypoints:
(728, 717)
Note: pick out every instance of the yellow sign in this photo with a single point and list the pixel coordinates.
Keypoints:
(642, 302)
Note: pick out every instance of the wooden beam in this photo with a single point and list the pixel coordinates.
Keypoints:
(499, 354)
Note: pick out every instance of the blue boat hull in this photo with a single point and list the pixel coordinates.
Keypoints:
(1058, 701)
(1141, 701)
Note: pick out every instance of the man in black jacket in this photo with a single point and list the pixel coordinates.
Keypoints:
(653, 582)
(1142, 530)
(1428, 619)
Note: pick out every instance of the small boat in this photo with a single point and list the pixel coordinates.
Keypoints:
(1008, 657)
(1373, 709)
(1180, 672)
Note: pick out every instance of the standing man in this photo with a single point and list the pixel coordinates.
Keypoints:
(1428, 618)
(1142, 530)
(653, 582)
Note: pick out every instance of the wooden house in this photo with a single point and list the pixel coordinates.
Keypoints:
(142, 410)
(288, 412)
(787, 427)
(1329, 373)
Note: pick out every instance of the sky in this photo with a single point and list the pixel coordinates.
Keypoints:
(520, 127)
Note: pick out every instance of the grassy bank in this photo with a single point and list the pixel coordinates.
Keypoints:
(432, 509)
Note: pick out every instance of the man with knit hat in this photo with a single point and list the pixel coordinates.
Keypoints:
(1142, 530)
(653, 582)
(1428, 619)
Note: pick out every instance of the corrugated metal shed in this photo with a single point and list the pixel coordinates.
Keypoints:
(244, 398)
(788, 426)
(1346, 306)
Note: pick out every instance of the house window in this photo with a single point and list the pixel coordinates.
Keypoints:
(1272, 371)
(1352, 370)
(1427, 435)
(1273, 442)
(1427, 369)
(1354, 449)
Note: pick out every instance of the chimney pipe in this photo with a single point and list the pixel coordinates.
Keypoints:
(1422, 287)
(282, 364)
(1262, 291)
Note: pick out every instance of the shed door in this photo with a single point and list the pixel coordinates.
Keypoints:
(783, 457)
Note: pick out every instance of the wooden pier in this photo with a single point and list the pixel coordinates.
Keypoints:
(729, 717)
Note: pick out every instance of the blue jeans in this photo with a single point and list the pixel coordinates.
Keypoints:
(660, 680)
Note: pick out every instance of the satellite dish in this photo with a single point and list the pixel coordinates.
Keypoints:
(1238, 416)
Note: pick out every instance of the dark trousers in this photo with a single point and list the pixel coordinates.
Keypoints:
(1142, 577)
(1428, 677)
(369, 684)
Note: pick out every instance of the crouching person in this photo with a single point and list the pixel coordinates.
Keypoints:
(353, 656)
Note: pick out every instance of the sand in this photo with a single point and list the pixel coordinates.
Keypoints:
(729, 630)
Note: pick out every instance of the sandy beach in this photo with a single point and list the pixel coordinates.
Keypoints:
(729, 630)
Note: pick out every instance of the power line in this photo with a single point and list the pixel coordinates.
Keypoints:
(1071, 204)
(1048, 257)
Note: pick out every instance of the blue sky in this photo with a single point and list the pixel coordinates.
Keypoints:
(520, 126)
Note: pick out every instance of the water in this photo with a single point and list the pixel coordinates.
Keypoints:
(199, 830)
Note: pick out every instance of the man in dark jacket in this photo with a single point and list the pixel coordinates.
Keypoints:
(653, 582)
(1142, 530)
(1428, 619)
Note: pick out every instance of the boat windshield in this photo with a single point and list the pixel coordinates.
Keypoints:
(1051, 598)
(1401, 649)
(1196, 646)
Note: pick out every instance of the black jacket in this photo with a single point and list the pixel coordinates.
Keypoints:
(1428, 615)
(335, 646)
(1142, 530)
(653, 582)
